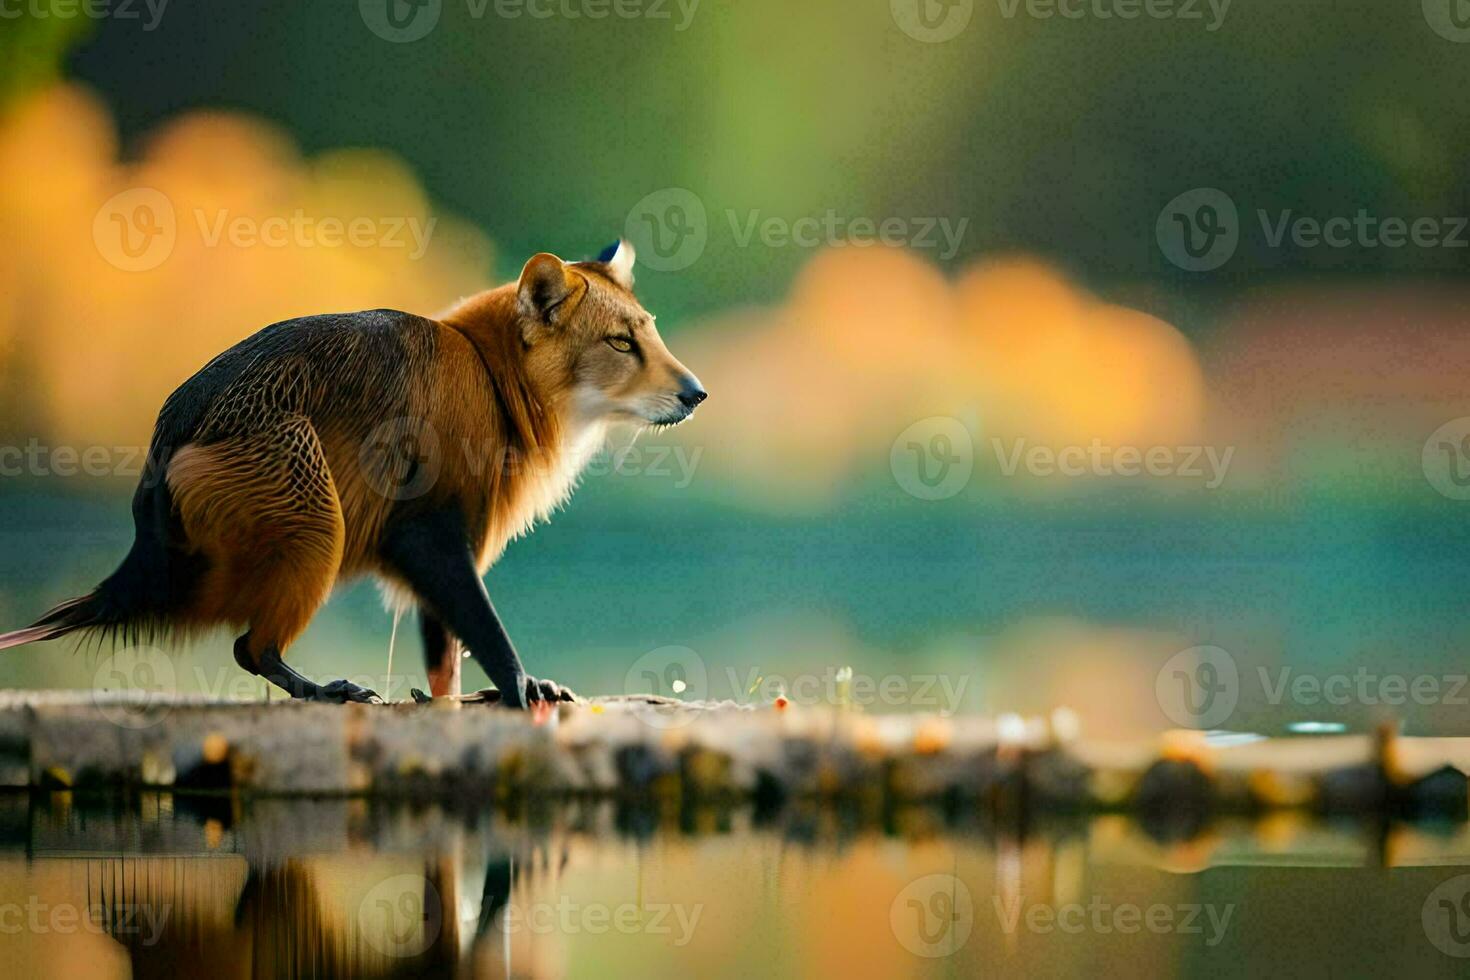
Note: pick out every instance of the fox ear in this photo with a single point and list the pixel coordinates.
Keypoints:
(619, 260)
(545, 289)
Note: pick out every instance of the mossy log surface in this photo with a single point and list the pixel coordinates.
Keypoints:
(655, 749)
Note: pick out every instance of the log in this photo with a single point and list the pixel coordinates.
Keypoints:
(659, 750)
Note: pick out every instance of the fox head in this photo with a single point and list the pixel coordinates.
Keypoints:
(586, 334)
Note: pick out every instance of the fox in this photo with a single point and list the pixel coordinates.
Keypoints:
(383, 443)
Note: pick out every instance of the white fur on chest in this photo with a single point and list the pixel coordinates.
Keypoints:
(552, 488)
(546, 486)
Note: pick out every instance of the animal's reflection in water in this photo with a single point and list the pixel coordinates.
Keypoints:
(301, 918)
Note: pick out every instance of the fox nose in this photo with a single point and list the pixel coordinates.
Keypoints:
(691, 392)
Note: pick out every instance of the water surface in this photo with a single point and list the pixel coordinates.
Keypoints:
(165, 885)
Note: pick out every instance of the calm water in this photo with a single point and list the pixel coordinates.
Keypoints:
(176, 886)
(979, 606)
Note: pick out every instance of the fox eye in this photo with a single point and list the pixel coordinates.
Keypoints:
(620, 344)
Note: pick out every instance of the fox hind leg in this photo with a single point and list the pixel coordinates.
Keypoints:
(269, 665)
(441, 655)
(263, 508)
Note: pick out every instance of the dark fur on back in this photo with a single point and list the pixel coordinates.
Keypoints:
(361, 359)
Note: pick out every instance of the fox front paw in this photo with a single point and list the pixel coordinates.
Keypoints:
(529, 691)
(545, 690)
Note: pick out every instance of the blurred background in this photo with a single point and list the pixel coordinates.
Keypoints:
(1051, 357)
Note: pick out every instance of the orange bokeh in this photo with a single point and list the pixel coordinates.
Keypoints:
(874, 339)
(91, 349)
